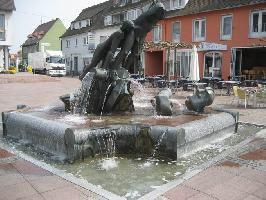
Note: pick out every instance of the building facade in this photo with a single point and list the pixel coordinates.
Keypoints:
(6, 37)
(230, 37)
(45, 37)
(93, 26)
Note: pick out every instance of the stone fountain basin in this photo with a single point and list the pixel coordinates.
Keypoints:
(66, 138)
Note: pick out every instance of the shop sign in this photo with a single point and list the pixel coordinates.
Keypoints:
(207, 46)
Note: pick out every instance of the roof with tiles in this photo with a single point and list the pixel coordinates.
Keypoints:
(198, 6)
(7, 5)
(95, 13)
(39, 33)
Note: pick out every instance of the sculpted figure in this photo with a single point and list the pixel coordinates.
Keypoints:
(142, 25)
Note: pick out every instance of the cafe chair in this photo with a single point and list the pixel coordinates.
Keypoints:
(235, 94)
(259, 98)
(242, 96)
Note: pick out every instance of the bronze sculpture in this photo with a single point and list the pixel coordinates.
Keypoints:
(105, 82)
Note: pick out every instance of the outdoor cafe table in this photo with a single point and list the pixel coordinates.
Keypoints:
(229, 85)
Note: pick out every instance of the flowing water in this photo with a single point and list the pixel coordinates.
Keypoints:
(132, 176)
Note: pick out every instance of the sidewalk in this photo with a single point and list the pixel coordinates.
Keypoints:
(22, 180)
(239, 176)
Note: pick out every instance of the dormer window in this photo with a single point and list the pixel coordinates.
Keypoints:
(108, 20)
(88, 22)
(177, 4)
(80, 25)
(72, 26)
(2, 27)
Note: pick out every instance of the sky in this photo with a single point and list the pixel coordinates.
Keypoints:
(30, 13)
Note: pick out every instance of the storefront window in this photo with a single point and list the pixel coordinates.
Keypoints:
(2, 27)
(181, 66)
(213, 65)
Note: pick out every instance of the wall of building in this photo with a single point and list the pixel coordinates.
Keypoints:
(9, 29)
(240, 32)
(52, 37)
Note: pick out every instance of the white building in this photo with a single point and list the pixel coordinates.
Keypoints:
(6, 39)
(84, 34)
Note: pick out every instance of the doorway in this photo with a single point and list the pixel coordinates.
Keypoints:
(213, 64)
(75, 66)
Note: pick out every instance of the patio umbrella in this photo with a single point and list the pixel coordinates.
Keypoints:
(194, 65)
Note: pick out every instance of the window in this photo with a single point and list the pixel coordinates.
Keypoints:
(156, 34)
(176, 31)
(80, 25)
(258, 24)
(226, 27)
(175, 4)
(213, 65)
(88, 22)
(91, 41)
(67, 43)
(2, 28)
(134, 1)
(131, 14)
(199, 30)
(76, 42)
(108, 20)
(181, 66)
(85, 40)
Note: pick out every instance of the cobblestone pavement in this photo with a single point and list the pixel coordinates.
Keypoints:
(238, 176)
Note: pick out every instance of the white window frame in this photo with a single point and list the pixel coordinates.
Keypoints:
(154, 39)
(213, 67)
(201, 38)
(88, 22)
(176, 4)
(85, 41)
(108, 20)
(131, 14)
(258, 34)
(67, 43)
(229, 36)
(176, 40)
(3, 29)
(91, 41)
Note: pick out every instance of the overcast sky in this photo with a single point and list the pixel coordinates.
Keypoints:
(30, 13)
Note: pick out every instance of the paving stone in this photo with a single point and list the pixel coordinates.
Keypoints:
(244, 185)
(254, 175)
(226, 192)
(25, 167)
(7, 168)
(17, 191)
(10, 180)
(180, 192)
(5, 154)
(259, 154)
(88, 193)
(201, 196)
(33, 197)
(251, 197)
(207, 180)
(47, 183)
(261, 193)
(65, 193)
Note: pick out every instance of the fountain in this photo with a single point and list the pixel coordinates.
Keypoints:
(119, 135)
(110, 123)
